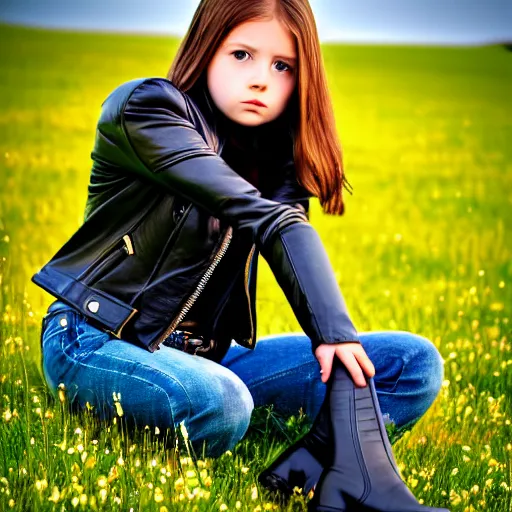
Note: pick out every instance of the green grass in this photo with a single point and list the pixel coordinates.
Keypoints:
(425, 246)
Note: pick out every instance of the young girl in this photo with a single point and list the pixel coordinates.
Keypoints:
(193, 176)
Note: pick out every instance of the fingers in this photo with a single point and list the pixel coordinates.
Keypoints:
(325, 361)
(354, 369)
(365, 363)
(352, 355)
(356, 361)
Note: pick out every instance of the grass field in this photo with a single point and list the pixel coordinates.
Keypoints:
(425, 246)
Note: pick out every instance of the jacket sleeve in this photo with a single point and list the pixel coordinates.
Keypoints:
(169, 150)
(290, 191)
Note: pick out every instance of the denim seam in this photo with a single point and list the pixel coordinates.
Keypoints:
(137, 377)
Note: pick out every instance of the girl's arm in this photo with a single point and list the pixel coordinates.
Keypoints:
(151, 134)
(290, 191)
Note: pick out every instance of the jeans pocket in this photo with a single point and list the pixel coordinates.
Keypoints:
(57, 328)
(85, 340)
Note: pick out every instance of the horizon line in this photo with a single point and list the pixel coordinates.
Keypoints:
(330, 40)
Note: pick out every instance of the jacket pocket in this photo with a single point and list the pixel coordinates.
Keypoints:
(107, 261)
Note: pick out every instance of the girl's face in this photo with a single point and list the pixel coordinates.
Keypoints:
(256, 61)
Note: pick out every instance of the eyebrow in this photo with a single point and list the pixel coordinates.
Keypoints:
(254, 50)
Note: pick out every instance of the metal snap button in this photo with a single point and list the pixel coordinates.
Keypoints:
(93, 306)
(63, 322)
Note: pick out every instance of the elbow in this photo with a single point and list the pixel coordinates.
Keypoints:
(287, 217)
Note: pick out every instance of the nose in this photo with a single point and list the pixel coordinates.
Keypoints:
(260, 79)
(258, 85)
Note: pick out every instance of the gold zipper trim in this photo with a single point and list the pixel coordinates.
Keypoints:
(117, 333)
(202, 283)
(246, 283)
(129, 245)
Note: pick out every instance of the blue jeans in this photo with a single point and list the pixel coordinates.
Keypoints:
(214, 400)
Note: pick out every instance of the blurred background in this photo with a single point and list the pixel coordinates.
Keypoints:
(366, 21)
(422, 93)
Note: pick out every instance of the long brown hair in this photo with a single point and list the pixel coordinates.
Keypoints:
(317, 149)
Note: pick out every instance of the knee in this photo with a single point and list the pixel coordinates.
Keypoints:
(429, 364)
(235, 408)
(226, 417)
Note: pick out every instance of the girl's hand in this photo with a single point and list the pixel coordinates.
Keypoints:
(352, 355)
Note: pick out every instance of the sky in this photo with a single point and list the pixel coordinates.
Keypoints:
(445, 22)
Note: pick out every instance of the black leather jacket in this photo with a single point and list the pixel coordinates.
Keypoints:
(163, 211)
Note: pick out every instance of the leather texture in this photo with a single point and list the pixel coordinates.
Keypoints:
(164, 209)
(301, 464)
(363, 474)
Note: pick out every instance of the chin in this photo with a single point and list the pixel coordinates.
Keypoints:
(254, 119)
(247, 117)
(251, 123)
(247, 121)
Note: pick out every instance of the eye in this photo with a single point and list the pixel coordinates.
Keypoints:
(238, 52)
(289, 68)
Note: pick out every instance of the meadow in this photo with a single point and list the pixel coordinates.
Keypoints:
(425, 246)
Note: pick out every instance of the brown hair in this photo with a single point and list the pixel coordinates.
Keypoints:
(317, 150)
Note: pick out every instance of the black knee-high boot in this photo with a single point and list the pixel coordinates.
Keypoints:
(302, 463)
(363, 475)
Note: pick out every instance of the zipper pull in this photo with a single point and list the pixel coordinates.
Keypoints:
(128, 247)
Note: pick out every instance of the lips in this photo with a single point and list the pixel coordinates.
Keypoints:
(255, 102)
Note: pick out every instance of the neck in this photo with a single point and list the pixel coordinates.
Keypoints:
(239, 136)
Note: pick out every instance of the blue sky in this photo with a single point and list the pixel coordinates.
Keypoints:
(392, 21)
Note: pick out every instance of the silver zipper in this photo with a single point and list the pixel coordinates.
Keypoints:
(199, 288)
(246, 283)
